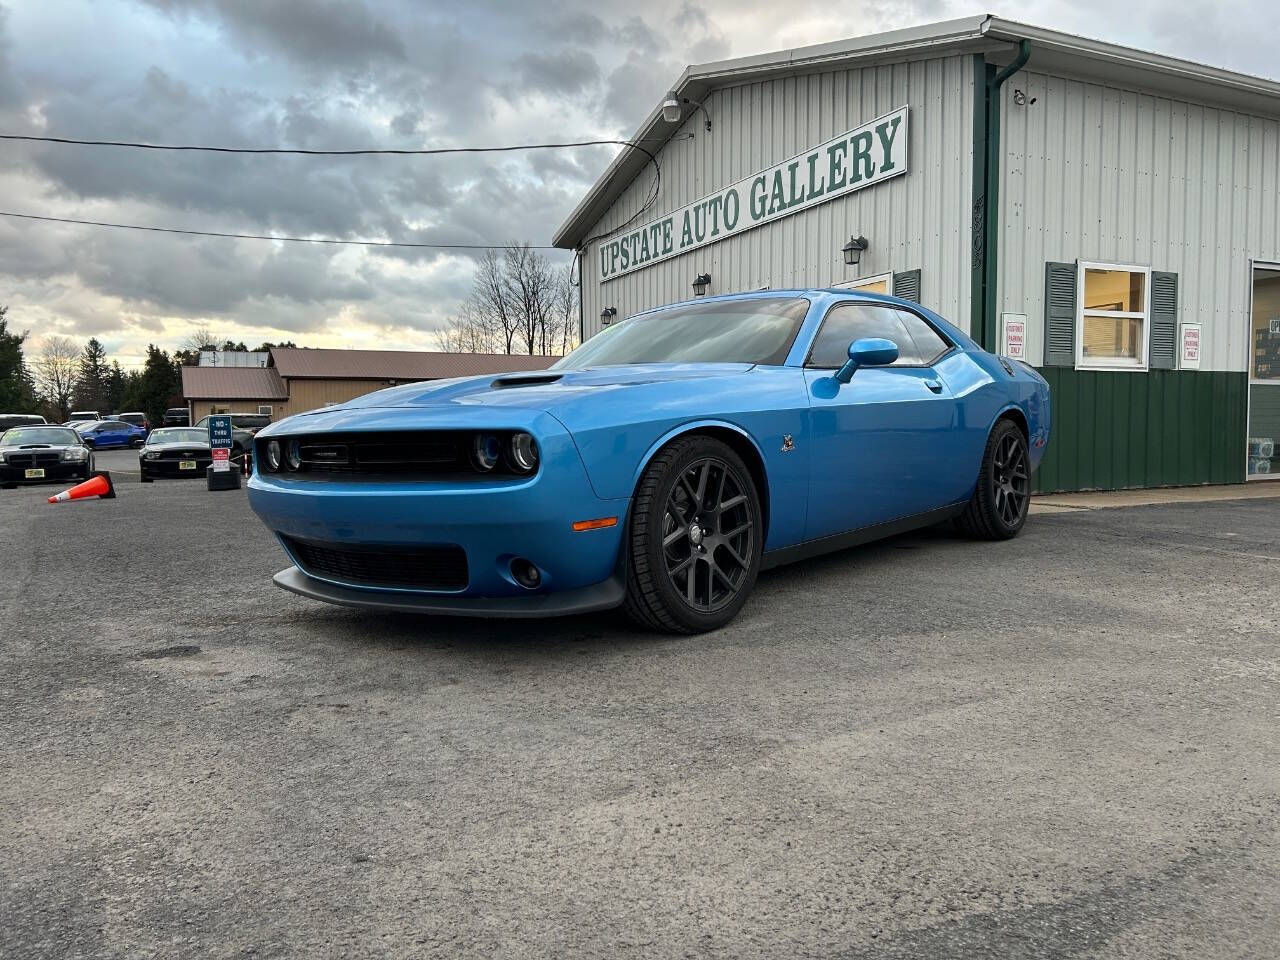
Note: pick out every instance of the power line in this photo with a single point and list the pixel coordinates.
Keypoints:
(261, 236)
(426, 151)
(429, 151)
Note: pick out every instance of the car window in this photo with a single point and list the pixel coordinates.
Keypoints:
(929, 343)
(847, 322)
(51, 435)
(179, 435)
(756, 330)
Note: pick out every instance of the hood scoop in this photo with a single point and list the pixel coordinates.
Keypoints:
(525, 380)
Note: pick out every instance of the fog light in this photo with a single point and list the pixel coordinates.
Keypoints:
(525, 573)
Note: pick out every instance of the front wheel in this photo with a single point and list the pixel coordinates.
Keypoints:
(695, 538)
(998, 508)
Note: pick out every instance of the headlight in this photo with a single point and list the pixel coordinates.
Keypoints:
(273, 455)
(75, 453)
(523, 451)
(150, 454)
(486, 449)
(293, 453)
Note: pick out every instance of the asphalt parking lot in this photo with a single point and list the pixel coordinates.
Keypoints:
(1060, 746)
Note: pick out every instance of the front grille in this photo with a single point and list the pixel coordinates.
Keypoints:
(438, 567)
(34, 459)
(432, 453)
(185, 454)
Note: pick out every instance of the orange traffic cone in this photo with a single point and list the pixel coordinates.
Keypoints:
(99, 485)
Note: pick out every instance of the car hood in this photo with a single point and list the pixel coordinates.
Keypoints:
(543, 389)
(178, 445)
(37, 447)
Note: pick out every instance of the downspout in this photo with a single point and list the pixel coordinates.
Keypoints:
(991, 194)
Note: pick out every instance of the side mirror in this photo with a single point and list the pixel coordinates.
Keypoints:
(867, 352)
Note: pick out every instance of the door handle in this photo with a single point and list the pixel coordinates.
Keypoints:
(934, 385)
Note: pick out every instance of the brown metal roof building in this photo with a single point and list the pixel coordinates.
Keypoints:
(300, 380)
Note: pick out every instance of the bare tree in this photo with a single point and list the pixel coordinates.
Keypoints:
(57, 372)
(200, 337)
(519, 302)
(563, 317)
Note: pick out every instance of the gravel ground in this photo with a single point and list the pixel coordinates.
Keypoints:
(1060, 746)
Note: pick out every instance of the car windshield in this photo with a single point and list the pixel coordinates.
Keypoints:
(52, 435)
(179, 435)
(759, 330)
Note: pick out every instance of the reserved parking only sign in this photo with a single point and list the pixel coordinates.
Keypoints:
(221, 440)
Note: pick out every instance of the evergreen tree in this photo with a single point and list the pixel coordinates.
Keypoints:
(115, 387)
(157, 384)
(17, 395)
(91, 388)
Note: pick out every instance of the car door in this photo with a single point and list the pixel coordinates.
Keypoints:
(113, 435)
(876, 442)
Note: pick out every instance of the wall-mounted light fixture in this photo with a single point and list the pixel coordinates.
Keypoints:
(700, 284)
(1020, 99)
(607, 315)
(673, 109)
(853, 250)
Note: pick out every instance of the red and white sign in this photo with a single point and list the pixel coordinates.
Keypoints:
(221, 459)
(1014, 326)
(1190, 346)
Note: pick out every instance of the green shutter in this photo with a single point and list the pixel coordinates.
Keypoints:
(907, 285)
(1164, 320)
(1059, 314)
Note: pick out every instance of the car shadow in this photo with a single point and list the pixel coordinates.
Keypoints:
(608, 631)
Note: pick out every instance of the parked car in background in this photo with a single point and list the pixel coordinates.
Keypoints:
(136, 417)
(175, 452)
(103, 434)
(176, 417)
(34, 454)
(85, 415)
(8, 420)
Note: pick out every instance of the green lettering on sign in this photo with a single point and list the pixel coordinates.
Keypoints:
(867, 155)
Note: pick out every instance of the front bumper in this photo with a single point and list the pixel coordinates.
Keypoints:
(172, 468)
(493, 520)
(600, 596)
(64, 470)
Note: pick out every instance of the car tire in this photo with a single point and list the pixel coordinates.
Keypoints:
(998, 508)
(692, 554)
(143, 478)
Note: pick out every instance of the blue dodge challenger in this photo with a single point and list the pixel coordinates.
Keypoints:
(658, 467)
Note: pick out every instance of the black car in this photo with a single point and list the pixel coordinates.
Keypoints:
(35, 454)
(177, 417)
(175, 452)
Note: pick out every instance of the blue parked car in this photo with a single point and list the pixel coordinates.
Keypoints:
(104, 434)
(660, 466)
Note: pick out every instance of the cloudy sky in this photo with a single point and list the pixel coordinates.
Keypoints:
(389, 73)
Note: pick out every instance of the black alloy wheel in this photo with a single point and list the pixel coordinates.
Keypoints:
(696, 538)
(998, 508)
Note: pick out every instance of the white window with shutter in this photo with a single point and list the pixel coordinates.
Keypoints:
(1112, 321)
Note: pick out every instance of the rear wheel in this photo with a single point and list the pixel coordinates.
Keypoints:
(695, 538)
(998, 508)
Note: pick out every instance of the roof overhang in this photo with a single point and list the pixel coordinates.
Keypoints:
(1051, 51)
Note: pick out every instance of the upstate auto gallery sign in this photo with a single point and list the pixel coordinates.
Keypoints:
(868, 154)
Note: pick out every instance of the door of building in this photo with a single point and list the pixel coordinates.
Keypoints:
(1264, 374)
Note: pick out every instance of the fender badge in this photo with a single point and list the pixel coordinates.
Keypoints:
(787, 443)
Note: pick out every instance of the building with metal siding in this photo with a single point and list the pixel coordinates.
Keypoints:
(1146, 187)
